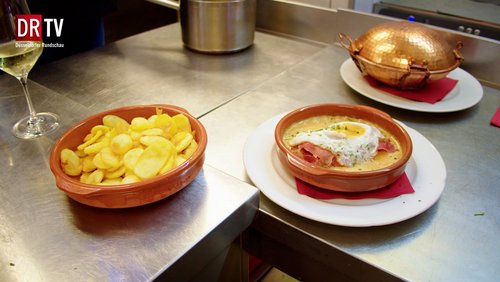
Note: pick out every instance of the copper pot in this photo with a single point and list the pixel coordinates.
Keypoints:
(404, 55)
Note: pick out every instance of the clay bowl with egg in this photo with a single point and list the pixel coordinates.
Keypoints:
(357, 176)
(134, 194)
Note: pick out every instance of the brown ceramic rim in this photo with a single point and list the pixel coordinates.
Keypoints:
(322, 109)
(79, 188)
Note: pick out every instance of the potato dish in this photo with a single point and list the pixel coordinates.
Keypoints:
(117, 152)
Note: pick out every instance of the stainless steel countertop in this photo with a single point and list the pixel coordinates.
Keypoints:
(45, 235)
(153, 67)
(448, 242)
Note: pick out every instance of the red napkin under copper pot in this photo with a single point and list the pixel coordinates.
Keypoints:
(401, 186)
(431, 93)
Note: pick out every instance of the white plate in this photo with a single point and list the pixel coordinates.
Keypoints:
(466, 93)
(426, 171)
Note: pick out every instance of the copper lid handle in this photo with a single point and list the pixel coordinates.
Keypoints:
(342, 40)
(457, 53)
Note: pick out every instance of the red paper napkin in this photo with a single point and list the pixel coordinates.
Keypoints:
(399, 187)
(430, 93)
(495, 120)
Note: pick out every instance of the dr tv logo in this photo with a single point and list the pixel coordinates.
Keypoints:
(29, 27)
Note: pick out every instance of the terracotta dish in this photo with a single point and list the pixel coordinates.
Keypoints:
(127, 195)
(342, 180)
(404, 55)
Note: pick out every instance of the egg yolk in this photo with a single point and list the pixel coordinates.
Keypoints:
(350, 130)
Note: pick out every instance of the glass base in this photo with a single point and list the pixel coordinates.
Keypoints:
(30, 128)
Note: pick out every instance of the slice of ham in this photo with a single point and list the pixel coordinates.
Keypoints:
(317, 155)
(386, 145)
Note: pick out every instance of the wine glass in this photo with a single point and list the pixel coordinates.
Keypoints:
(17, 58)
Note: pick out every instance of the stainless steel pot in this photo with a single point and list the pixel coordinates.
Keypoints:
(215, 26)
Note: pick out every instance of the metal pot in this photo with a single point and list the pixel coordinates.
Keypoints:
(404, 55)
(215, 26)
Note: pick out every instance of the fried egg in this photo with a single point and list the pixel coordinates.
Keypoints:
(351, 142)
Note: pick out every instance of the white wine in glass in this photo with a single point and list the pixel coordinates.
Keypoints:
(17, 58)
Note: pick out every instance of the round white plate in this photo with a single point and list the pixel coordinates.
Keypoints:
(426, 171)
(466, 93)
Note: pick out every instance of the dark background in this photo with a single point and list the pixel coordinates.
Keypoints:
(93, 23)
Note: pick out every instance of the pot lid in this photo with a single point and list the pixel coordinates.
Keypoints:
(406, 44)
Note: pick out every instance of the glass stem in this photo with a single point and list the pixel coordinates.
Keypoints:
(32, 122)
(24, 82)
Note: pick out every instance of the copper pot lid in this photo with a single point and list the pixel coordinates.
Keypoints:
(405, 45)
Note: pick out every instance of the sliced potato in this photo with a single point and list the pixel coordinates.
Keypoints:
(134, 135)
(87, 137)
(169, 165)
(88, 164)
(151, 161)
(112, 181)
(95, 177)
(189, 151)
(167, 124)
(110, 174)
(182, 140)
(121, 143)
(84, 177)
(150, 140)
(109, 158)
(139, 124)
(99, 163)
(179, 160)
(112, 134)
(116, 122)
(182, 122)
(91, 140)
(80, 153)
(153, 132)
(152, 120)
(130, 158)
(132, 178)
(104, 129)
(71, 164)
(129, 172)
(96, 148)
